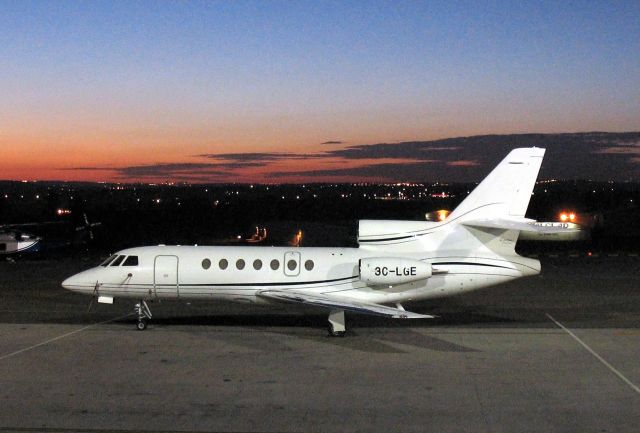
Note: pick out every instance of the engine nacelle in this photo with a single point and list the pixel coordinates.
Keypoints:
(390, 271)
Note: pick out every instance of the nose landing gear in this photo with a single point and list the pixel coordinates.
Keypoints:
(144, 313)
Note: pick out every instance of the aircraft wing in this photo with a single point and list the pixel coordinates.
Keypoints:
(525, 225)
(328, 301)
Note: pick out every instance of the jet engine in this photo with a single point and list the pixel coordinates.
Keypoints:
(389, 271)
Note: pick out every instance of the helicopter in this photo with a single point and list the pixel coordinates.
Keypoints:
(16, 240)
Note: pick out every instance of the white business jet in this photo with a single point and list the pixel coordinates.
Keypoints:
(396, 262)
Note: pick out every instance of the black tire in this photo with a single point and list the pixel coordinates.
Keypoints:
(141, 325)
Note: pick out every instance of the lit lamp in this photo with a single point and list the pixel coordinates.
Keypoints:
(442, 214)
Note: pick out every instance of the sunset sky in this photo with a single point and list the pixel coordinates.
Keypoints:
(296, 91)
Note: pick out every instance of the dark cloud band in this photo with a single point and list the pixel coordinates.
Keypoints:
(594, 155)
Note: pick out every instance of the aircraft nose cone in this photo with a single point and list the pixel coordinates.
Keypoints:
(71, 283)
(67, 283)
(84, 282)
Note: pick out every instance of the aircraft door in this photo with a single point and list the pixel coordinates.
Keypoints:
(165, 277)
(292, 263)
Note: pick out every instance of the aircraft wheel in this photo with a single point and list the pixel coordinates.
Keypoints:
(142, 325)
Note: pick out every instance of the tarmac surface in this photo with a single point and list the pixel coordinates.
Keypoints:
(554, 353)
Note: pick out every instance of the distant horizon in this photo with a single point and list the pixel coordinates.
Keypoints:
(595, 153)
(254, 184)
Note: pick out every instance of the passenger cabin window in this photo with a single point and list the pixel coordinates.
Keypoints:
(275, 264)
(109, 260)
(292, 265)
(206, 264)
(117, 261)
(131, 261)
(308, 265)
(240, 264)
(257, 264)
(223, 263)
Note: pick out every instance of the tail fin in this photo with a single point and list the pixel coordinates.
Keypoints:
(505, 192)
(488, 221)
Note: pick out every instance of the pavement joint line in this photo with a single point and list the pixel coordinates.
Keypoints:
(595, 354)
(59, 337)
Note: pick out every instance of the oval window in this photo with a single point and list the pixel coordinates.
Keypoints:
(292, 265)
(206, 264)
(223, 263)
(240, 264)
(308, 265)
(275, 264)
(257, 264)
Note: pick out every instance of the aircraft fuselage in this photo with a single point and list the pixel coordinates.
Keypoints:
(238, 273)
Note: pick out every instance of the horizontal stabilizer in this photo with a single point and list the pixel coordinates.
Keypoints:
(522, 224)
(340, 303)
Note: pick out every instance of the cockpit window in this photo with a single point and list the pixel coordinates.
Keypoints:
(117, 261)
(131, 261)
(109, 260)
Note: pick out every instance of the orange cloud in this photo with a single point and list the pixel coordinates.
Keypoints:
(463, 163)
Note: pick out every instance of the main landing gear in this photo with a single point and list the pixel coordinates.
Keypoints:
(144, 313)
(337, 326)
